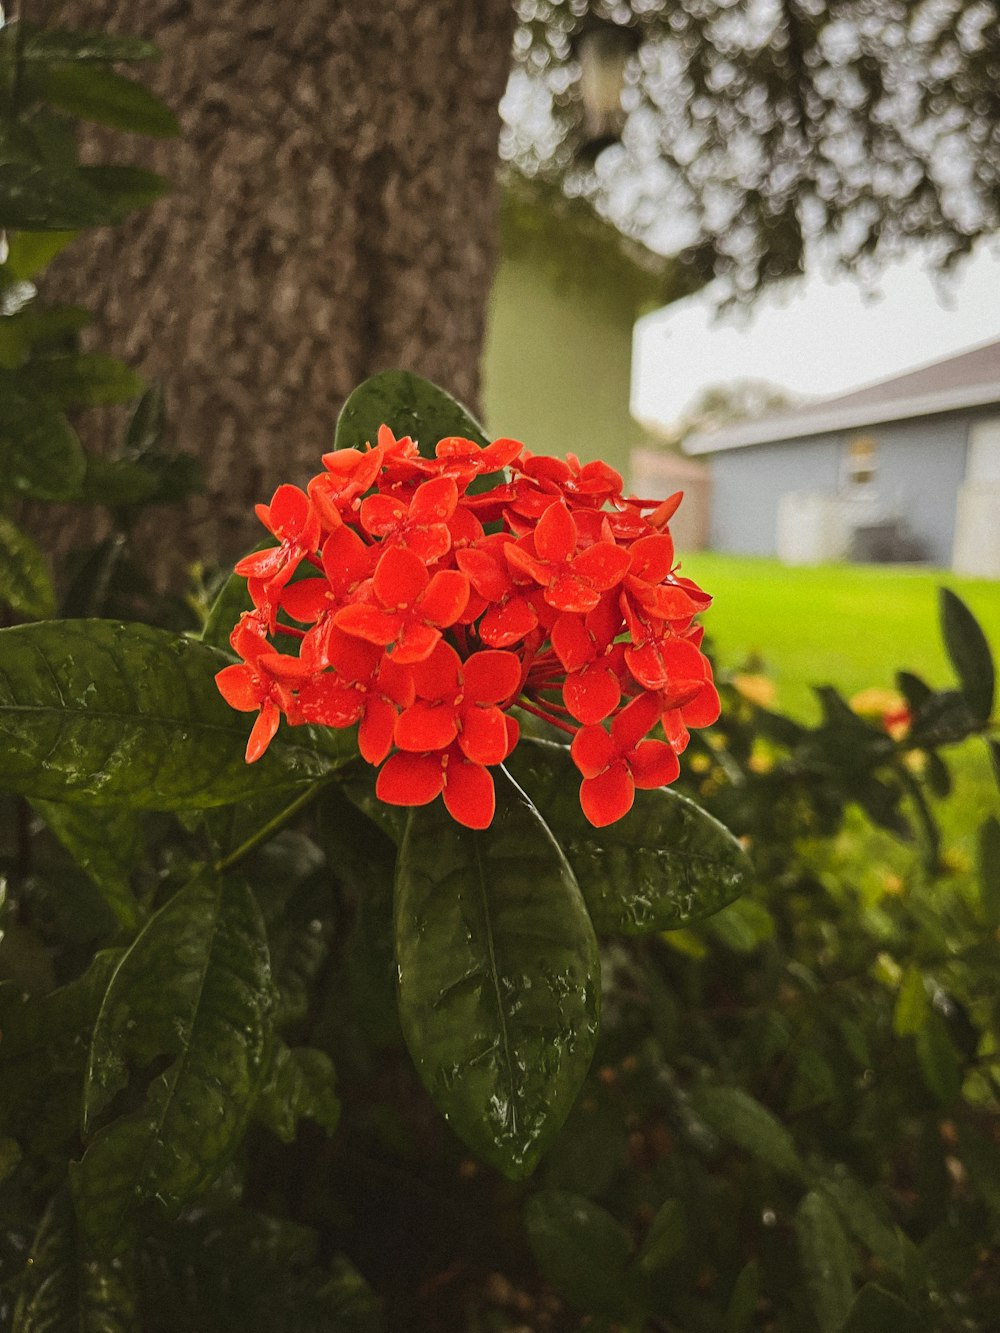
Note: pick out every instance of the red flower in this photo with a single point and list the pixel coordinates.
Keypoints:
(415, 779)
(614, 765)
(458, 701)
(413, 609)
(293, 520)
(425, 631)
(573, 581)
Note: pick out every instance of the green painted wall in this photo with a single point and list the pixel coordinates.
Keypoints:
(557, 364)
(558, 351)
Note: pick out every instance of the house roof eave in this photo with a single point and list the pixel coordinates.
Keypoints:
(829, 418)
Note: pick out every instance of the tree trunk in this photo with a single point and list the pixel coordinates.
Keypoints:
(332, 215)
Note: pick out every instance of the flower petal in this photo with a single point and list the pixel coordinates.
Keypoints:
(262, 733)
(399, 578)
(608, 796)
(240, 686)
(653, 764)
(410, 779)
(445, 598)
(426, 725)
(483, 737)
(555, 533)
(490, 677)
(592, 694)
(591, 750)
(468, 793)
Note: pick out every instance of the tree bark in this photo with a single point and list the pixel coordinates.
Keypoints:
(332, 215)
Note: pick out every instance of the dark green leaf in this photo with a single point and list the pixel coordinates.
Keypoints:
(10, 1155)
(734, 1115)
(938, 775)
(110, 714)
(875, 1310)
(301, 1083)
(969, 652)
(407, 404)
(912, 1004)
(40, 455)
(665, 1239)
(93, 92)
(989, 869)
(939, 1060)
(67, 1289)
(25, 584)
(117, 482)
(994, 749)
(499, 981)
(106, 843)
(581, 1250)
(915, 691)
(43, 1056)
(827, 1260)
(864, 1215)
(667, 863)
(85, 379)
(237, 1271)
(55, 44)
(28, 252)
(193, 991)
(145, 427)
(743, 1302)
(32, 328)
(231, 601)
(36, 198)
(123, 189)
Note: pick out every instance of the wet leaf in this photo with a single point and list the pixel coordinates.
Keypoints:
(827, 1259)
(734, 1115)
(107, 843)
(43, 1055)
(301, 1083)
(193, 994)
(969, 652)
(67, 1289)
(238, 1271)
(499, 981)
(25, 584)
(581, 1250)
(666, 864)
(40, 455)
(407, 404)
(111, 714)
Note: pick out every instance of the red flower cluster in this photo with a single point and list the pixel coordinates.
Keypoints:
(431, 609)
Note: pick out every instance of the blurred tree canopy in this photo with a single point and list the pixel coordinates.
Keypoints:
(754, 129)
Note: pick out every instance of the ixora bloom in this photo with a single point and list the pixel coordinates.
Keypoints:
(433, 608)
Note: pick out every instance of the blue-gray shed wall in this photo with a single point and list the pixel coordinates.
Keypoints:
(920, 466)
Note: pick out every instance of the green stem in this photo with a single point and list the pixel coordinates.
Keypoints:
(271, 827)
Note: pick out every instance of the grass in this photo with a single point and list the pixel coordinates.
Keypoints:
(852, 626)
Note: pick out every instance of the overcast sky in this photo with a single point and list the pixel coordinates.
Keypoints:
(815, 336)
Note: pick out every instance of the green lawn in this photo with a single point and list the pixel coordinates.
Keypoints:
(846, 625)
(852, 626)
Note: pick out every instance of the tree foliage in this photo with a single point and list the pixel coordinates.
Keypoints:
(753, 130)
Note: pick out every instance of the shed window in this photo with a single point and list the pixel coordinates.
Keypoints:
(861, 462)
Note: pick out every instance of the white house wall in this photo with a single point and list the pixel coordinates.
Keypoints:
(747, 485)
(919, 468)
